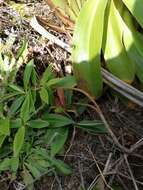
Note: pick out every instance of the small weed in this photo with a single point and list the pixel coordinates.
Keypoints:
(34, 125)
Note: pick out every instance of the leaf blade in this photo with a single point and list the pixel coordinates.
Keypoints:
(18, 141)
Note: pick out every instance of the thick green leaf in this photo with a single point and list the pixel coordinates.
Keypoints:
(38, 123)
(44, 95)
(59, 140)
(5, 126)
(57, 120)
(133, 42)
(27, 74)
(87, 42)
(92, 126)
(18, 141)
(136, 8)
(115, 54)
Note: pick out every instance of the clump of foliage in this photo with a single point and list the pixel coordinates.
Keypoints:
(107, 33)
(33, 130)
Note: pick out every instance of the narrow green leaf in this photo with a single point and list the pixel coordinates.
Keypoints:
(44, 95)
(28, 179)
(47, 75)
(21, 55)
(35, 172)
(22, 50)
(61, 167)
(34, 77)
(58, 164)
(16, 88)
(32, 102)
(57, 120)
(36, 165)
(38, 123)
(43, 163)
(25, 109)
(8, 96)
(94, 126)
(2, 138)
(18, 141)
(59, 141)
(5, 126)
(16, 104)
(27, 73)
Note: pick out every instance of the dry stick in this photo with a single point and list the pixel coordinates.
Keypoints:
(48, 171)
(81, 175)
(133, 147)
(98, 110)
(41, 30)
(122, 183)
(137, 145)
(132, 176)
(127, 177)
(58, 181)
(122, 175)
(115, 170)
(102, 175)
(93, 182)
(107, 165)
(71, 143)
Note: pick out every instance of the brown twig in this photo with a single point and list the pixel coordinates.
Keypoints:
(71, 143)
(133, 147)
(98, 110)
(131, 173)
(100, 171)
(107, 165)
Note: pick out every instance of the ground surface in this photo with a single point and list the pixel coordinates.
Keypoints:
(90, 156)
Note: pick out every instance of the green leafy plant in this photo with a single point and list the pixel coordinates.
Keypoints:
(32, 132)
(107, 34)
(118, 38)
